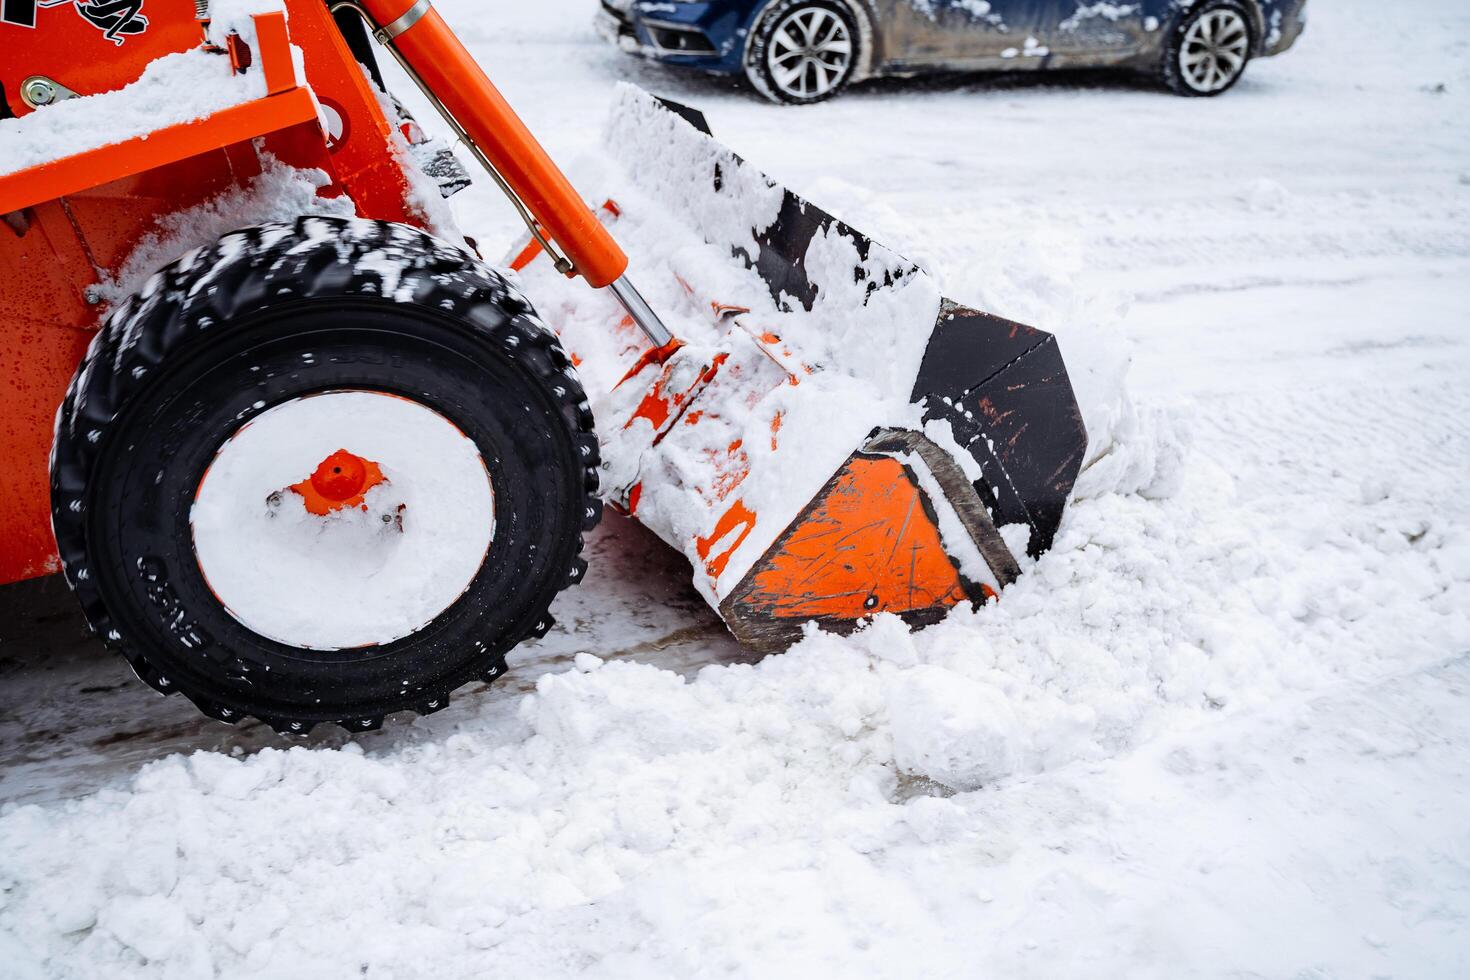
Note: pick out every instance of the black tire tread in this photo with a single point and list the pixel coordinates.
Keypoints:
(245, 272)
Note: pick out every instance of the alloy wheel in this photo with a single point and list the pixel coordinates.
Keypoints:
(1214, 51)
(810, 53)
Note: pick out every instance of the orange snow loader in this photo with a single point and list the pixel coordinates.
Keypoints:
(303, 456)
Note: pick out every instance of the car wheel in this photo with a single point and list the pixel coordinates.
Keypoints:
(1209, 50)
(802, 51)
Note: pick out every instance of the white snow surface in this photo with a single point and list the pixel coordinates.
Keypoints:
(1219, 730)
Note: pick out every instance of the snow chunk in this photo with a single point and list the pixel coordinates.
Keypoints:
(951, 729)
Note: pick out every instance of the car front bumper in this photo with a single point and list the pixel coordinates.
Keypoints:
(697, 35)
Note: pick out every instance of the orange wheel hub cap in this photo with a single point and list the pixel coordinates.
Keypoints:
(339, 481)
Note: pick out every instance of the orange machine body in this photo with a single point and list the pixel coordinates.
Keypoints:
(69, 225)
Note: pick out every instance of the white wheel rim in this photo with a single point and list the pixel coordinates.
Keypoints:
(810, 52)
(354, 577)
(1214, 50)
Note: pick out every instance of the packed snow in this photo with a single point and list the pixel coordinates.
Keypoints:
(389, 563)
(1219, 730)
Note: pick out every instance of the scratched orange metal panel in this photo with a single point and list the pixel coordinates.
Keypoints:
(664, 404)
(866, 545)
(737, 518)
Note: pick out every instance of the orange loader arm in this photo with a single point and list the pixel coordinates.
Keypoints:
(432, 53)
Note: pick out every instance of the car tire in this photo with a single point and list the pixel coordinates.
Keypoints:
(803, 51)
(1208, 49)
(289, 317)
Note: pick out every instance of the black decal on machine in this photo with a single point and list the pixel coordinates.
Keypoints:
(116, 19)
(21, 13)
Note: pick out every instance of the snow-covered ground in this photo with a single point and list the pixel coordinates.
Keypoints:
(1222, 729)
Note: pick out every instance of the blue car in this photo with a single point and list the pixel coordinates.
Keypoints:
(800, 51)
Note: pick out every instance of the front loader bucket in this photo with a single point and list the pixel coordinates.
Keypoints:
(829, 438)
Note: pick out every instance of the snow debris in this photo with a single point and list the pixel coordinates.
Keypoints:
(1266, 195)
(1032, 48)
(979, 10)
(1273, 34)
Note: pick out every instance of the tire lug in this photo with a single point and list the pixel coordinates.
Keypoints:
(248, 282)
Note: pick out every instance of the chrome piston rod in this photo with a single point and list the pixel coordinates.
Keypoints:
(648, 321)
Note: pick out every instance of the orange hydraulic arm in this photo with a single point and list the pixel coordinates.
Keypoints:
(436, 59)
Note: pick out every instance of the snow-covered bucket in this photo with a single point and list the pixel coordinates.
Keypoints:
(829, 438)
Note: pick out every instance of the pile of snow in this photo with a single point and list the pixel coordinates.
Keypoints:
(902, 801)
(626, 818)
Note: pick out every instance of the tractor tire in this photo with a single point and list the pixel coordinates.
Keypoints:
(1197, 63)
(222, 367)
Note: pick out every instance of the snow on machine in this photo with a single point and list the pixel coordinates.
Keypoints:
(303, 456)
